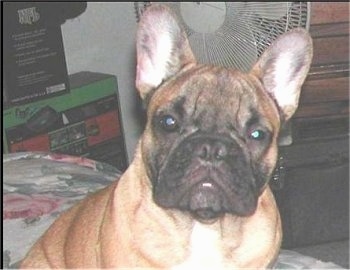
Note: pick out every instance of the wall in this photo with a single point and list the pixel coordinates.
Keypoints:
(102, 39)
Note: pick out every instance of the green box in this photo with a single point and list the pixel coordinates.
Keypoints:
(93, 97)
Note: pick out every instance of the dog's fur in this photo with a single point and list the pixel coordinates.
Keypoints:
(196, 195)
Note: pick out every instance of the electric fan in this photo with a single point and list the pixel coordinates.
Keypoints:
(234, 34)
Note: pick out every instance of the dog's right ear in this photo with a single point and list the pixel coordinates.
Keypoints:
(162, 48)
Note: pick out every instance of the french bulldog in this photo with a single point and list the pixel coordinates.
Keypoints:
(196, 195)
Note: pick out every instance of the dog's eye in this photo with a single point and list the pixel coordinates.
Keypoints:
(257, 135)
(169, 123)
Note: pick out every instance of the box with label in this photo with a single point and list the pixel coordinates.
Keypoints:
(84, 122)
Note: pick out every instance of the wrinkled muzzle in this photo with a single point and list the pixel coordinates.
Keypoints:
(207, 176)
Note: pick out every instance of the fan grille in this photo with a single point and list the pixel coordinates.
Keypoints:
(266, 30)
(248, 29)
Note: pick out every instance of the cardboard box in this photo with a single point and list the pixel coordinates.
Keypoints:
(84, 122)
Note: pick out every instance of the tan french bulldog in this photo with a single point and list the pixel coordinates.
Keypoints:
(196, 195)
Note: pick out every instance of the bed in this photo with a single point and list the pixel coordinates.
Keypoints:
(38, 186)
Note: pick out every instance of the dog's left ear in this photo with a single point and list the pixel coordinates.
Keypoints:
(283, 68)
(162, 48)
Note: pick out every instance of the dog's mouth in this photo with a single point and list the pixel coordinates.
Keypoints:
(207, 177)
(205, 202)
(207, 198)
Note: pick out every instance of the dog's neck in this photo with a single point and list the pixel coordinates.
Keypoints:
(206, 248)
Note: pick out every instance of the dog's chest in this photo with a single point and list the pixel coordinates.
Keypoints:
(205, 249)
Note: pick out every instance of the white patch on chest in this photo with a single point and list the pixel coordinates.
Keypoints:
(205, 249)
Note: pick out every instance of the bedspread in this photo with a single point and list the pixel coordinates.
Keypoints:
(37, 187)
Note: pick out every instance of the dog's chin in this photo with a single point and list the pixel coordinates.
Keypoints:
(206, 217)
(205, 202)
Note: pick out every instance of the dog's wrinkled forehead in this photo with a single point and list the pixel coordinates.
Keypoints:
(212, 93)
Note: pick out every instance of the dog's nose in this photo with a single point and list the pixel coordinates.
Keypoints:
(211, 151)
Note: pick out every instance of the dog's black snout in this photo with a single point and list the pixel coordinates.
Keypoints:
(210, 151)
